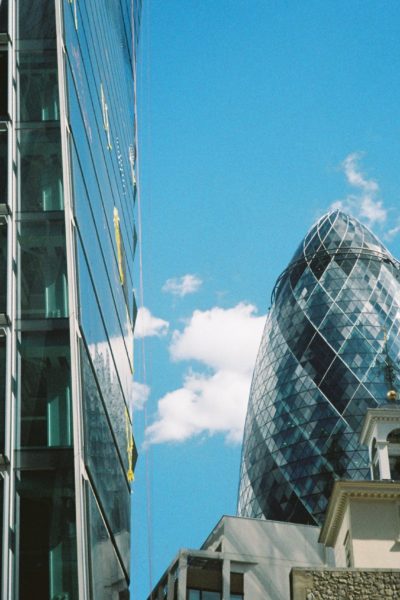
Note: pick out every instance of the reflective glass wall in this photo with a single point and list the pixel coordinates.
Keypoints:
(100, 82)
(45, 524)
(5, 237)
(67, 311)
(323, 361)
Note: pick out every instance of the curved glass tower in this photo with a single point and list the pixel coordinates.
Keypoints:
(330, 340)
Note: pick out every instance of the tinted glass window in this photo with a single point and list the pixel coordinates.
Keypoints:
(36, 19)
(3, 16)
(38, 87)
(43, 285)
(104, 464)
(3, 268)
(47, 539)
(3, 167)
(107, 577)
(41, 174)
(3, 84)
(46, 390)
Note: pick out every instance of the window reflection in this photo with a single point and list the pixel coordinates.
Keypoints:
(47, 535)
(107, 577)
(43, 284)
(45, 404)
(101, 457)
(41, 173)
(38, 87)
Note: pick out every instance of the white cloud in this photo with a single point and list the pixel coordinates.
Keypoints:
(140, 395)
(366, 204)
(220, 338)
(225, 341)
(213, 404)
(147, 325)
(355, 177)
(391, 233)
(181, 286)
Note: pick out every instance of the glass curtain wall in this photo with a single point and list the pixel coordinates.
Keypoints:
(99, 71)
(4, 235)
(46, 556)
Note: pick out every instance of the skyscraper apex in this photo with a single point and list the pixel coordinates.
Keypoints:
(320, 366)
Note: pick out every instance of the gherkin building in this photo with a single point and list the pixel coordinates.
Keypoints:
(329, 351)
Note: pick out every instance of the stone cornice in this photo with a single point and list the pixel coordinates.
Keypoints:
(345, 491)
(388, 414)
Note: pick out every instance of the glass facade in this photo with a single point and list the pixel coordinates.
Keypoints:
(68, 147)
(323, 361)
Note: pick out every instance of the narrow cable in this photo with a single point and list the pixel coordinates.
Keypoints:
(146, 448)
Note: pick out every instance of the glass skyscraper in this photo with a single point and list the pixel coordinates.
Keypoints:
(68, 162)
(329, 352)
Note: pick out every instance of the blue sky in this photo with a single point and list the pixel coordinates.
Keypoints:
(255, 118)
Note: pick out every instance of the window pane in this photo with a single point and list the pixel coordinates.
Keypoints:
(104, 464)
(3, 167)
(45, 390)
(3, 85)
(394, 436)
(38, 87)
(394, 462)
(2, 397)
(44, 290)
(41, 174)
(3, 16)
(210, 595)
(47, 539)
(3, 268)
(37, 19)
(107, 577)
(193, 594)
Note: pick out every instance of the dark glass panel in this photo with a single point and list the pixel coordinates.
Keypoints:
(3, 167)
(394, 462)
(3, 357)
(36, 20)
(38, 86)
(47, 535)
(43, 283)
(3, 268)
(394, 437)
(3, 84)
(3, 16)
(45, 392)
(107, 579)
(104, 464)
(41, 172)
